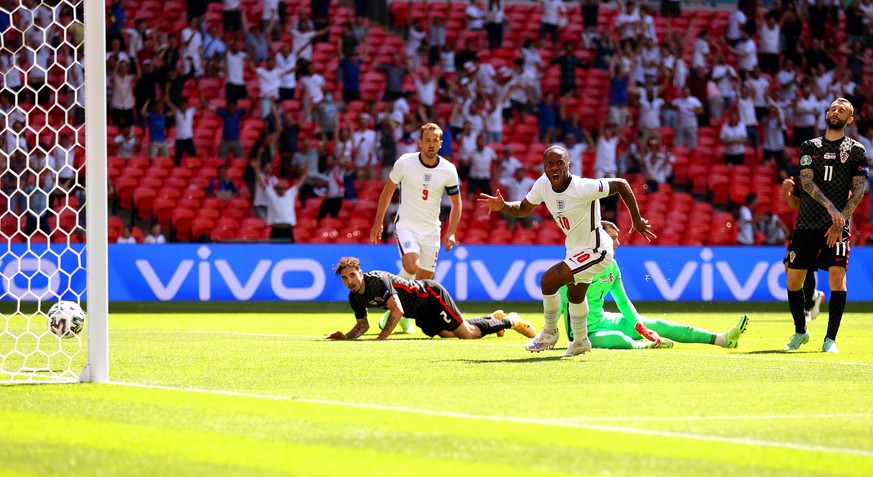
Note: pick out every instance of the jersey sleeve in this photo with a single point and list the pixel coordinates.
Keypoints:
(386, 289)
(397, 172)
(453, 183)
(806, 155)
(860, 153)
(535, 195)
(591, 189)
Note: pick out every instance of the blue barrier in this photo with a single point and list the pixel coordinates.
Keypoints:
(221, 272)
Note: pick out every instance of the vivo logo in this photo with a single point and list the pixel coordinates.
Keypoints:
(740, 291)
(22, 279)
(242, 288)
(670, 288)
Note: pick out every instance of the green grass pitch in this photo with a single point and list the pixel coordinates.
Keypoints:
(245, 392)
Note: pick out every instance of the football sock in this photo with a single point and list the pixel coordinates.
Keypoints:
(808, 289)
(836, 305)
(490, 325)
(795, 305)
(551, 309)
(404, 274)
(683, 333)
(579, 319)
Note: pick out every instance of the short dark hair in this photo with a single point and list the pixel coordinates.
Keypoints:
(346, 262)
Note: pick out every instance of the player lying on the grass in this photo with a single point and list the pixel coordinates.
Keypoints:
(426, 301)
(627, 330)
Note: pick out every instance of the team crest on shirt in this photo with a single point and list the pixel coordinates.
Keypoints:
(427, 178)
(830, 156)
(561, 206)
(844, 156)
(805, 160)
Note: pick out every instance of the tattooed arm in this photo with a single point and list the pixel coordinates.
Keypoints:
(396, 312)
(857, 194)
(810, 188)
(360, 328)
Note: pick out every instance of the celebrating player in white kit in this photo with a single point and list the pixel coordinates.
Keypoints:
(422, 177)
(574, 203)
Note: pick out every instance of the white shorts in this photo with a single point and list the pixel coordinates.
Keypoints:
(425, 245)
(587, 263)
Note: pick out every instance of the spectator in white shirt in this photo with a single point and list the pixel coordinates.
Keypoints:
(759, 86)
(184, 143)
(553, 14)
(281, 216)
(364, 140)
(805, 117)
(192, 43)
(125, 237)
(650, 113)
(770, 48)
(774, 136)
(126, 143)
(746, 110)
(724, 76)
(63, 161)
(516, 188)
(687, 109)
(747, 54)
(481, 160)
(736, 25)
(746, 221)
(700, 51)
(506, 165)
(234, 63)
(605, 158)
(657, 164)
(575, 151)
(155, 237)
(733, 138)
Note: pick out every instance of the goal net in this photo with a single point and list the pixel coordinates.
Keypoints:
(53, 250)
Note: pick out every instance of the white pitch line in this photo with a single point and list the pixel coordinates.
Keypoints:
(719, 418)
(522, 420)
(676, 352)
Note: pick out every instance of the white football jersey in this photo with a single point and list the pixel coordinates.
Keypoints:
(576, 210)
(421, 189)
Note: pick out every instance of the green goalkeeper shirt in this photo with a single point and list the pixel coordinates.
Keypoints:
(608, 282)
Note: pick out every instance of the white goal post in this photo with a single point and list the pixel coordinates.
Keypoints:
(53, 166)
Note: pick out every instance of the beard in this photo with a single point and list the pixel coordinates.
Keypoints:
(835, 124)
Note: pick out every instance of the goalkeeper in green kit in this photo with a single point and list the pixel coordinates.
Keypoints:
(629, 330)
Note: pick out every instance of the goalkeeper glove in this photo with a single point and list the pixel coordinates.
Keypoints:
(648, 334)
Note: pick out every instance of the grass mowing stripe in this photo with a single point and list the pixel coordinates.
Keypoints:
(717, 418)
(489, 342)
(522, 420)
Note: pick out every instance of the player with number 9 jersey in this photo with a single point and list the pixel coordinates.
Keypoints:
(423, 177)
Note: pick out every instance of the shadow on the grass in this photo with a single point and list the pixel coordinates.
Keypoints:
(780, 351)
(531, 359)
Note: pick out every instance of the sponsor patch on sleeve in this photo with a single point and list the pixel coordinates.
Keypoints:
(805, 160)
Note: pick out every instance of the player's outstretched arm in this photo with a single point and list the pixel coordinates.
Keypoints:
(498, 204)
(623, 189)
(381, 208)
(360, 328)
(396, 312)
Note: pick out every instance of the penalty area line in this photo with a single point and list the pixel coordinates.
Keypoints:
(521, 420)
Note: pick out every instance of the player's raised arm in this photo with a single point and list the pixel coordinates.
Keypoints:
(361, 327)
(521, 208)
(381, 209)
(623, 189)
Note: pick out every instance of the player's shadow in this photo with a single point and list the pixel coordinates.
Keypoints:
(529, 359)
(778, 351)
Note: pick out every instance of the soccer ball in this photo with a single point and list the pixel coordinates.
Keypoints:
(66, 319)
